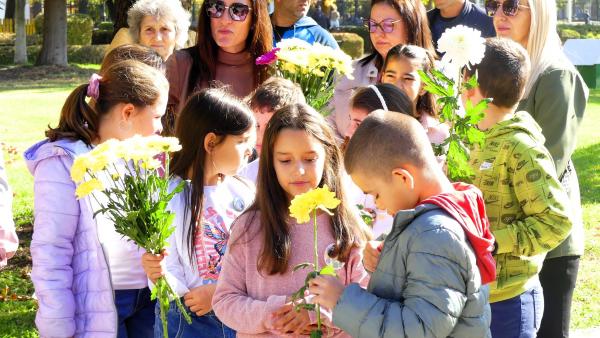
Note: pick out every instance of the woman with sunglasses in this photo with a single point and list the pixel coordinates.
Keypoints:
(556, 97)
(391, 22)
(231, 35)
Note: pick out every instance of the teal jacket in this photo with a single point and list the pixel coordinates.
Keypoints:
(426, 284)
(557, 102)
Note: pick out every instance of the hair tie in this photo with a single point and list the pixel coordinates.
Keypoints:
(93, 89)
(378, 93)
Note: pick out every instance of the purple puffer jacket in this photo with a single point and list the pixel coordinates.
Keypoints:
(70, 272)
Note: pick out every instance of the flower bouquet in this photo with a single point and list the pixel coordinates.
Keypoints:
(302, 208)
(463, 46)
(136, 192)
(311, 66)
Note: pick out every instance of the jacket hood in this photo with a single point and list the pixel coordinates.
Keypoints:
(522, 122)
(305, 21)
(46, 149)
(467, 206)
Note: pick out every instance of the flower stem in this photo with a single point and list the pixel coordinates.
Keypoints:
(318, 307)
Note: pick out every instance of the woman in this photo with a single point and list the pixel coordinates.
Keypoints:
(159, 24)
(391, 22)
(231, 35)
(556, 96)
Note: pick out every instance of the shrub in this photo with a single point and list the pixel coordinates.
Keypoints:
(102, 37)
(106, 26)
(75, 54)
(79, 28)
(566, 34)
(362, 32)
(352, 44)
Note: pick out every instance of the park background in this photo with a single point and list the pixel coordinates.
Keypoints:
(38, 71)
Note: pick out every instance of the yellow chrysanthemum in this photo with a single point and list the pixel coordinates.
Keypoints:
(319, 198)
(80, 167)
(151, 164)
(88, 187)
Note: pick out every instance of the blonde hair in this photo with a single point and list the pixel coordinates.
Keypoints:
(543, 44)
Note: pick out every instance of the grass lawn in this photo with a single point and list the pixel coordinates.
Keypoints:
(25, 113)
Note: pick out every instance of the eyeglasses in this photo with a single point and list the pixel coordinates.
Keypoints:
(386, 26)
(509, 7)
(237, 11)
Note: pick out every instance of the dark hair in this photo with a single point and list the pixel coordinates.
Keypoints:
(395, 99)
(127, 81)
(414, 15)
(207, 111)
(503, 71)
(272, 201)
(136, 52)
(204, 53)
(386, 140)
(276, 93)
(425, 102)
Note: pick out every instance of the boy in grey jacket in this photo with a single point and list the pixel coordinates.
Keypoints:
(434, 264)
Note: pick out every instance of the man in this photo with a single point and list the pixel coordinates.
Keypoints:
(450, 13)
(290, 21)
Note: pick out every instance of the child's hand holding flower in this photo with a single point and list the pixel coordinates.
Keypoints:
(326, 289)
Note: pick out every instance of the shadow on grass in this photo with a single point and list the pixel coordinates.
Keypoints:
(41, 77)
(588, 167)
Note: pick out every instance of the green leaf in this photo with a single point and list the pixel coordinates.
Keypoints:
(316, 334)
(328, 270)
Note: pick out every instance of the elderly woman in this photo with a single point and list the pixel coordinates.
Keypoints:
(390, 23)
(231, 35)
(159, 24)
(556, 97)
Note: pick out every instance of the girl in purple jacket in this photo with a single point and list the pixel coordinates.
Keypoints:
(84, 282)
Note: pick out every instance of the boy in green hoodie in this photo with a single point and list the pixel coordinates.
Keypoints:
(525, 203)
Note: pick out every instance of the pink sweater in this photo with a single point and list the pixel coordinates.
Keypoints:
(245, 297)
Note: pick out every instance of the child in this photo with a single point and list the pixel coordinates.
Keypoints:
(253, 293)
(400, 69)
(9, 242)
(435, 261)
(79, 260)
(217, 133)
(526, 205)
(272, 95)
(136, 52)
(363, 102)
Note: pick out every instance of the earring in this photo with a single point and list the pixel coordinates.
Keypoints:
(220, 176)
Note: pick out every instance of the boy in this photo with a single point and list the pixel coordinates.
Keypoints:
(525, 203)
(272, 95)
(430, 278)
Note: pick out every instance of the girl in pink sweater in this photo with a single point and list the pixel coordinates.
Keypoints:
(253, 292)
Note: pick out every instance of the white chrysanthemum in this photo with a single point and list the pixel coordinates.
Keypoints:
(462, 45)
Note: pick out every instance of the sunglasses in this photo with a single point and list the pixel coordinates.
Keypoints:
(237, 11)
(386, 26)
(509, 7)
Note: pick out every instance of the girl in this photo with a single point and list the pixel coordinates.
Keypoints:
(79, 260)
(253, 293)
(400, 69)
(217, 133)
(556, 97)
(391, 22)
(364, 101)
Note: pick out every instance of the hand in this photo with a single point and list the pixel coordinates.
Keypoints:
(199, 299)
(287, 320)
(154, 265)
(371, 254)
(326, 289)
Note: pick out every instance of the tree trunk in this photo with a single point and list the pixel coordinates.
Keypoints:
(9, 11)
(20, 36)
(187, 4)
(121, 8)
(54, 48)
(110, 7)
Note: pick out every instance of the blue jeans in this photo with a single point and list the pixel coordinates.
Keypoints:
(136, 313)
(518, 317)
(208, 325)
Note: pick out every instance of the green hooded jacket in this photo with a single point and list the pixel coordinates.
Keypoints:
(526, 205)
